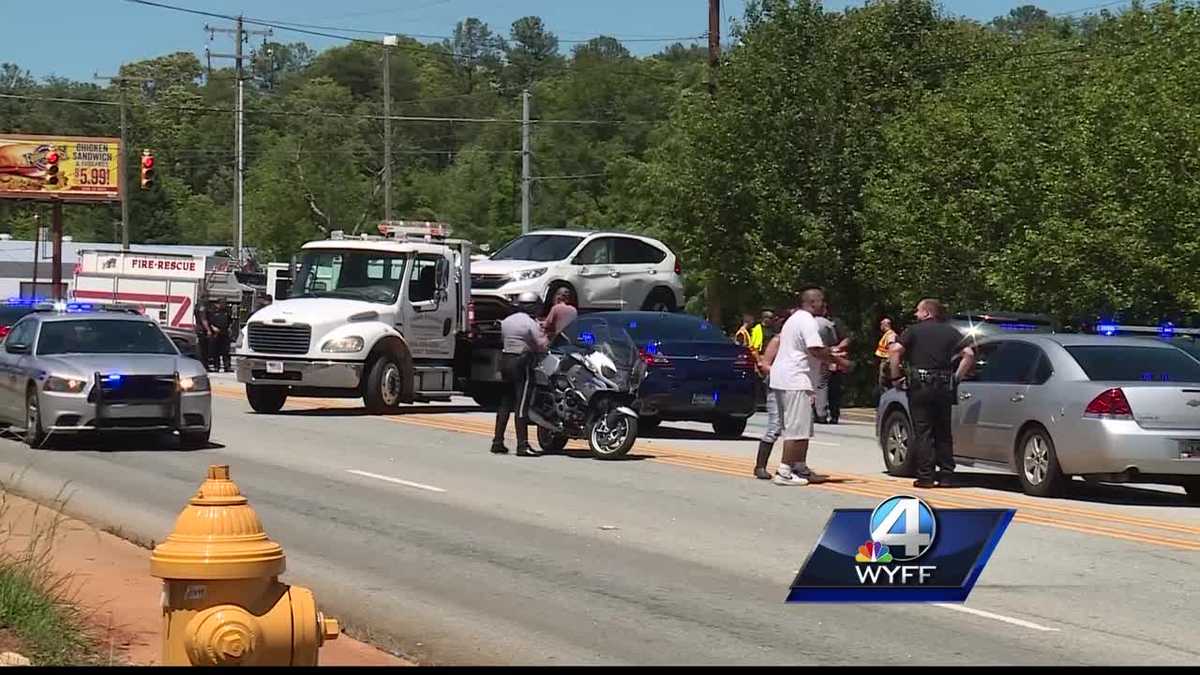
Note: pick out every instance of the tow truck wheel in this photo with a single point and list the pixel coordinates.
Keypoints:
(266, 399)
(35, 435)
(384, 385)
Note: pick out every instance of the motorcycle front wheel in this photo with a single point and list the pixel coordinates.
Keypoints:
(550, 442)
(611, 436)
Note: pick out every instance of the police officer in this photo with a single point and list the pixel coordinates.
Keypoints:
(929, 346)
(523, 340)
(221, 320)
(204, 332)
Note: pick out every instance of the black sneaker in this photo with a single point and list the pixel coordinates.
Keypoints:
(527, 451)
(499, 450)
(944, 478)
(924, 484)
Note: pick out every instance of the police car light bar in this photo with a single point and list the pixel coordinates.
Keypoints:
(1165, 330)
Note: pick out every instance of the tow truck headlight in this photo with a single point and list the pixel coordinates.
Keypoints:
(197, 383)
(346, 345)
(64, 385)
(526, 275)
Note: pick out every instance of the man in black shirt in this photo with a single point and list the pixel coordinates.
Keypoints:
(222, 321)
(930, 346)
(204, 332)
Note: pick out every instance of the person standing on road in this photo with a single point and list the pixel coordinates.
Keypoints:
(774, 405)
(800, 356)
(562, 314)
(523, 340)
(221, 320)
(742, 336)
(836, 373)
(821, 374)
(881, 352)
(761, 334)
(930, 346)
(204, 333)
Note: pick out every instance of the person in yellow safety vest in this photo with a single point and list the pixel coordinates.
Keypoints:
(881, 349)
(742, 336)
(759, 334)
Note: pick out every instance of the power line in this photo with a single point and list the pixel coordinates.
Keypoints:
(331, 115)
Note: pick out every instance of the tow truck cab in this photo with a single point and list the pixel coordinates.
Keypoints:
(383, 318)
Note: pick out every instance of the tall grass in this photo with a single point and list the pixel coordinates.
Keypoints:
(38, 604)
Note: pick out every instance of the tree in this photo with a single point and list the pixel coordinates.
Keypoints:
(532, 50)
(475, 50)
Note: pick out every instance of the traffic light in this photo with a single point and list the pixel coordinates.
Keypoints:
(147, 170)
(52, 167)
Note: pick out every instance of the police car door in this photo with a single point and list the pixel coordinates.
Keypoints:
(17, 348)
(1002, 400)
(431, 306)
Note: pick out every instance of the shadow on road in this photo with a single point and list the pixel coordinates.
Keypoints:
(680, 434)
(584, 454)
(1078, 490)
(121, 443)
(363, 412)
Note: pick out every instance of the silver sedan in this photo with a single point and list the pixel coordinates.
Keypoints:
(65, 372)
(1047, 407)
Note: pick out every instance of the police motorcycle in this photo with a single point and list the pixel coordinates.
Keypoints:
(585, 388)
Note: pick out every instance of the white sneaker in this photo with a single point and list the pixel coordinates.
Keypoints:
(791, 479)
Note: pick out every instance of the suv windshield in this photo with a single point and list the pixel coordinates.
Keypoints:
(103, 336)
(1131, 364)
(372, 276)
(538, 248)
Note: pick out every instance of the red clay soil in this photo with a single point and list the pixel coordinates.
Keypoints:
(112, 583)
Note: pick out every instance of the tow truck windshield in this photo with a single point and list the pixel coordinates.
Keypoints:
(373, 276)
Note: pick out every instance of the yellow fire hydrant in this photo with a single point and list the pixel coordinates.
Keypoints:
(223, 604)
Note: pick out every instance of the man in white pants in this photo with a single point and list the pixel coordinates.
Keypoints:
(801, 355)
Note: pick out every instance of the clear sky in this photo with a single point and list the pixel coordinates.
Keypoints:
(77, 38)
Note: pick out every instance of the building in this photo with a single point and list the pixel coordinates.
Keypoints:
(17, 263)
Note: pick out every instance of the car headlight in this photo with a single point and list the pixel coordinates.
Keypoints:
(526, 275)
(197, 383)
(352, 343)
(65, 385)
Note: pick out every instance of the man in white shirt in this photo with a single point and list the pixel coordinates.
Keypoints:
(801, 355)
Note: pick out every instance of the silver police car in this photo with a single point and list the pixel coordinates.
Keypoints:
(1048, 406)
(68, 369)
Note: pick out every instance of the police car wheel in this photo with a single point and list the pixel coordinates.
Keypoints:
(35, 435)
(1037, 465)
(897, 436)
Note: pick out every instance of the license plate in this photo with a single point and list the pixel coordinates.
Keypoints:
(275, 367)
(703, 400)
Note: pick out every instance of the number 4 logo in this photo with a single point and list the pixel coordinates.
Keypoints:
(914, 535)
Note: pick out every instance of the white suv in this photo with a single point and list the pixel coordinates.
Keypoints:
(606, 270)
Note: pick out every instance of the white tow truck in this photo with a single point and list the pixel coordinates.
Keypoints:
(382, 318)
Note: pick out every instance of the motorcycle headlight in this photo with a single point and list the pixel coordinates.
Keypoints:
(64, 385)
(197, 383)
(526, 275)
(346, 345)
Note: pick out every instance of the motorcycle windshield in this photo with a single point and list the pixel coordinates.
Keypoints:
(594, 334)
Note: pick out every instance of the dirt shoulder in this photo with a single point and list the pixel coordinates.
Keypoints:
(113, 586)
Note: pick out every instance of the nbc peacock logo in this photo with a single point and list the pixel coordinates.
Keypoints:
(873, 552)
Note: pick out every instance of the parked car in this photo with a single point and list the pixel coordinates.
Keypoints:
(606, 270)
(694, 371)
(66, 372)
(12, 312)
(1051, 406)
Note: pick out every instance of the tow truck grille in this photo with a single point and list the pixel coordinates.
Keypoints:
(270, 339)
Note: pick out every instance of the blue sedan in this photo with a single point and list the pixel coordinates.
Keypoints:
(694, 371)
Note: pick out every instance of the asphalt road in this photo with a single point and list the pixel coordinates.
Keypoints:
(407, 527)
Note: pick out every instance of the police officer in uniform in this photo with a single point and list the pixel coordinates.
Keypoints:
(204, 333)
(523, 340)
(929, 347)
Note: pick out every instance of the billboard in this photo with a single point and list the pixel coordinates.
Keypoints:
(87, 167)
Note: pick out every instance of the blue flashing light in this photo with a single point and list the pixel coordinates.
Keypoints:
(114, 378)
(80, 307)
(633, 324)
(587, 338)
(1106, 328)
(716, 396)
(1018, 326)
(24, 302)
(652, 348)
(1167, 330)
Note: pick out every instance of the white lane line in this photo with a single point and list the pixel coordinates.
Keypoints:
(998, 617)
(397, 481)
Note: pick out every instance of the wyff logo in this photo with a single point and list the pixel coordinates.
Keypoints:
(911, 553)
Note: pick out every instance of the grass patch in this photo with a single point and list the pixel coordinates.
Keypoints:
(36, 603)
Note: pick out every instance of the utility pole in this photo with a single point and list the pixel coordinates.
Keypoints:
(712, 290)
(239, 33)
(389, 41)
(525, 178)
(37, 243)
(121, 81)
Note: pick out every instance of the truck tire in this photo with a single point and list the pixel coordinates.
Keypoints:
(266, 399)
(384, 385)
